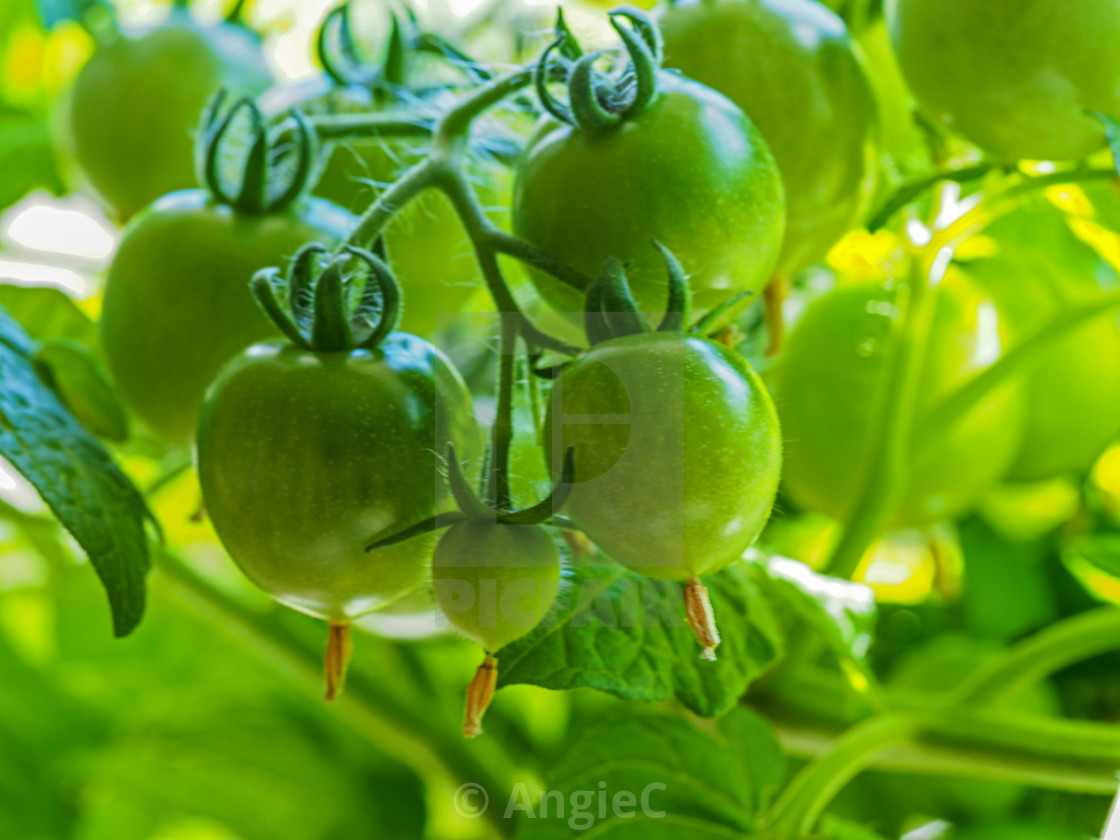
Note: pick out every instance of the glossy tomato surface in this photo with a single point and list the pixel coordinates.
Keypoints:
(136, 106)
(690, 171)
(177, 301)
(830, 387)
(795, 71)
(677, 451)
(305, 458)
(1013, 76)
(496, 582)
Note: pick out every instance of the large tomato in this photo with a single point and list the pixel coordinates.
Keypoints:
(795, 71)
(177, 301)
(691, 170)
(830, 388)
(136, 105)
(307, 457)
(677, 451)
(1013, 76)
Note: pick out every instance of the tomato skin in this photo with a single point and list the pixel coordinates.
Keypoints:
(686, 485)
(795, 71)
(1013, 76)
(177, 302)
(305, 458)
(136, 105)
(691, 171)
(495, 582)
(830, 385)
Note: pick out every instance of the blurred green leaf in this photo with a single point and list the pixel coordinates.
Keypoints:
(1100, 550)
(48, 313)
(27, 160)
(841, 613)
(83, 386)
(76, 477)
(760, 755)
(1112, 132)
(617, 631)
(694, 786)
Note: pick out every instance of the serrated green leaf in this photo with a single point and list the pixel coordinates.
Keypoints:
(83, 386)
(76, 477)
(624, 634)
(692, 784)
(760, 755)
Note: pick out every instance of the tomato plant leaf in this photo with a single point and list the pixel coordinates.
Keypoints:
(1102, 551)
(76, 477)
(842, 613)
(27, 160)
(760, 754)
(1112, 132)
(619, 632)
(45, 313)
(78, 379)
(683, 783)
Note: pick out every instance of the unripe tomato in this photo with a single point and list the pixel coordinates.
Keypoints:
(1072, 387)
(177, 301)
(307, 457)
(1013, 76)
(690, 170)
(677, 451)
(495, 582)
(794, 70)
(136, 105)
(830, 387)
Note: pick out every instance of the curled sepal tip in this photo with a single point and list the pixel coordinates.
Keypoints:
(479, 694)
(701, 618)
(250, 165)
(340, 646)
(331, 303)
(610, 310)
(599, 100)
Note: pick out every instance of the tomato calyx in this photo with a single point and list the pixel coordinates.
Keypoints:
(386, 78)
(610, 310)
(598, 101)
(331, 303)
(274, 170)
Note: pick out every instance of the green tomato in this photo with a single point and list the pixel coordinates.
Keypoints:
(691, 171)
(1073, 386)
(496, 582)
(1013, 76)
(830, 388)
(677, 451)
(136, 105)
(177, 301)
(795, 71)
(305, 458)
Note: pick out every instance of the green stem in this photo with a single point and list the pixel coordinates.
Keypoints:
(463, 197)
(384, 124)
(454, 127)
(501, 434)
(930, 753)
(1046, 652)
(796, 812)
(399, 728)
(886, 477)
(510, 245)
(417, 179)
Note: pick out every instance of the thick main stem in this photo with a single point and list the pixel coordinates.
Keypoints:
(501, 433)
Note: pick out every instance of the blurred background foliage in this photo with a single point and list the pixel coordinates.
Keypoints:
(206, 723)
